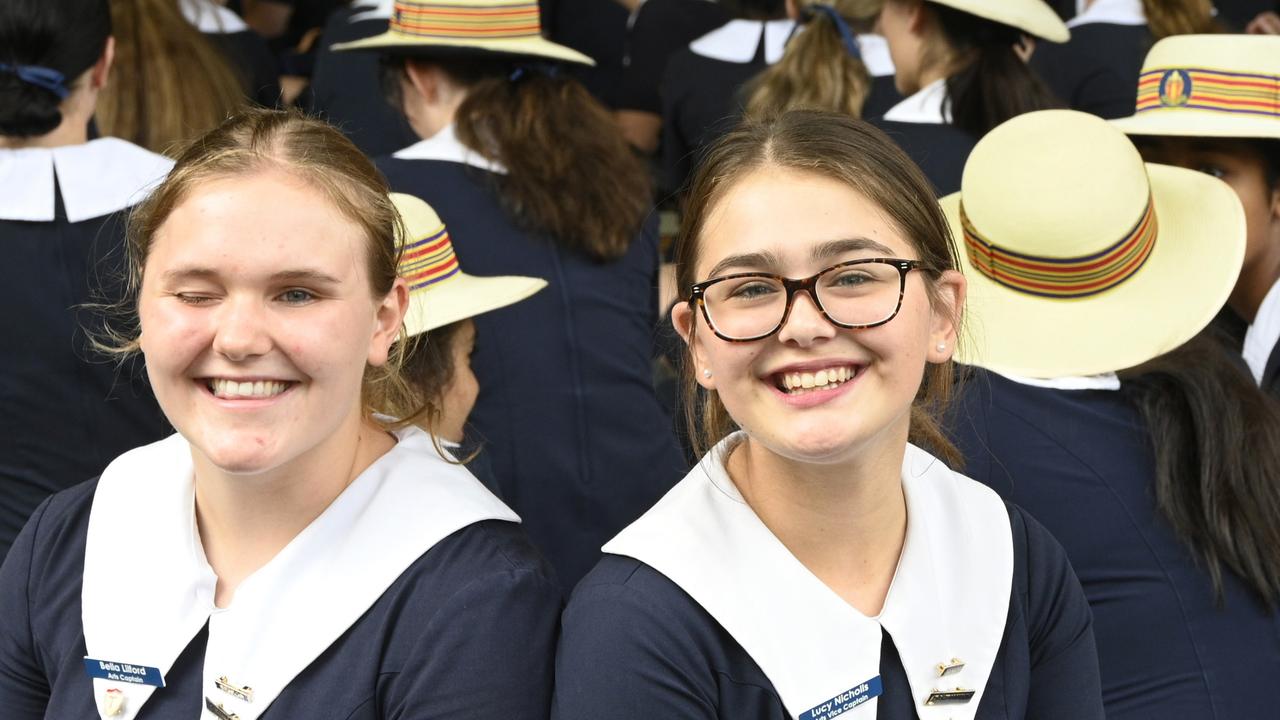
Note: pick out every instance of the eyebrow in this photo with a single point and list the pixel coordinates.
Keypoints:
(768, 260)
(301, 275)
(755, 261)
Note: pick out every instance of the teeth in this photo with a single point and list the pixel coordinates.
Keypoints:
(259, 389)
(828, 378)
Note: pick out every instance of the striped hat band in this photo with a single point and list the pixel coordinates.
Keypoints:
(429, 260)
(1063, 278)
(471, 21)
(1213, 90)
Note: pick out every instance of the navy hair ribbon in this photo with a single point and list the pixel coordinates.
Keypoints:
(522, 70)
(43, 77)
(846, 33)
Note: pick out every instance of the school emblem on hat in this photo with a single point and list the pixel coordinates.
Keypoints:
(1175, 88)
(113, 702)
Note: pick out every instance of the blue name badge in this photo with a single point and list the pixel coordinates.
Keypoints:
(123, 672)
(846, 701)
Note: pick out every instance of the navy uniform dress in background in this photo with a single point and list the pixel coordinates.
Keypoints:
(700, 612)
(413, 595)
(1097, 70)
(65, 412)
(248, 52)
(1080, 462)
(567, 412)
(659, 29)
(921, 126)
(596, 29)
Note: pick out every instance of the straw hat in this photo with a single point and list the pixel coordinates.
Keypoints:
(1033, 17)
(1209, 86)
(439, 292)
(467, 27)
(1081, 259)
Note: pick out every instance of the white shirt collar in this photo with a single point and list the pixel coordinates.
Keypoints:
(926, 106)
(1111, 12)
(875, 55)
(737, 40)
(96, 178)
(1103, 381)
(446, 146)
(1263, 335)
(372, 10)
(148, 588)
(211, 18)
(949, 598)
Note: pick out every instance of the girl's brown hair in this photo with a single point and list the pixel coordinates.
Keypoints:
(817, 72)
(1180, 17)
(170, 84)
(256, 141)
(858, 155)
(570, 172)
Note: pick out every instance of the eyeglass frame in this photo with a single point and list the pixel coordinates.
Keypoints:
(697, 294)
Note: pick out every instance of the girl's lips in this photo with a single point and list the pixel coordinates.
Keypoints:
(220, 391)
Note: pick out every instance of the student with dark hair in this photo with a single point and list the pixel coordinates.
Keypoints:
(534, 178)
(1105, 410)
(63, 199)
(1207, 103)
(959, 63)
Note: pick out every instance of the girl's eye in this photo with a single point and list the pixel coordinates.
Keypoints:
(1213, 171)
(193, 299)
(297, 296)
(753, 290)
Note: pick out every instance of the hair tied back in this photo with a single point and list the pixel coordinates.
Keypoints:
(847, 35)
(524, 70)
(43, 77)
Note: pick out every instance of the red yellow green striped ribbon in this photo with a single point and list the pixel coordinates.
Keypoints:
(484, 22)
(1063, 278)
(1214, 90)
(429, 260)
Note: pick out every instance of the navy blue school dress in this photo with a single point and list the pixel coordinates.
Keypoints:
(699, 611)
(921, 126)
(658, 29)
(413, 595)
(1096, 71)
(1080, 462)
(578, 441)
(247, 51)
(65, 411)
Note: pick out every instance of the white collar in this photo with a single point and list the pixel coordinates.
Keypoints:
(371, 10)
(446, 146)
(949, 598)
(926, 106)
(737, 40)
(875, 54)
(1101, 381)
(211, 18)
(148, 588)
(96, 178)
(1111, 12)
(1262, 336)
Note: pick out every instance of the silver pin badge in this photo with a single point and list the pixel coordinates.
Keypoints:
(245, 693)
(220, 712)
(113, 702)
(949, 697)
(952, 667)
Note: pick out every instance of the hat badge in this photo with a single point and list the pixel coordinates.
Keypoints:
(1175, 88)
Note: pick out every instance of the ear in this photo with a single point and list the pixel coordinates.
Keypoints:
(685, 321)
(424, 78)
(389, 320)
(102, 69)
(948, 307)
(793, 9)
(917, 18)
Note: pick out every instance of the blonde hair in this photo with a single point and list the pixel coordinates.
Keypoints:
(817, 72)
(171, 82)
(1180, 17)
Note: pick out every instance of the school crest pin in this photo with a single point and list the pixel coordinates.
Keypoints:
(113, 702)
(1175, 88)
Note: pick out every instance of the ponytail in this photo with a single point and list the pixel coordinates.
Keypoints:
(1180, 17)
(1216, 438)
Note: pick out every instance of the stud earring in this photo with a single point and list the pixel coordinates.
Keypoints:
(942, 346)
(706, 372)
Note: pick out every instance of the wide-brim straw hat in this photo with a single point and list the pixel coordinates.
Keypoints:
(1033, 17)
(1209, 86)
(501, 28)
(439, 292)
(1080, 258)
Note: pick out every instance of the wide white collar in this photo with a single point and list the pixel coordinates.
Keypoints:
(1261, 337)
(372, 10)
(211, 18)
(875, 55)
(446, 146)
(96, 178)
(949, 598)
(1101, 381)
(1111, 12)
(926, 106)
(148, 588)
(737, 40)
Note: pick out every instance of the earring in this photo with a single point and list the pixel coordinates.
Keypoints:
(706, 372)
(942, 347)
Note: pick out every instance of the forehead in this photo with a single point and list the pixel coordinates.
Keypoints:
(789, 214)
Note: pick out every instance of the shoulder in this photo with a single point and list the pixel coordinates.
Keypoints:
(61, 524)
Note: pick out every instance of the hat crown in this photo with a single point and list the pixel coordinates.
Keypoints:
(467, 19)
(1224, 74)
(427, 256)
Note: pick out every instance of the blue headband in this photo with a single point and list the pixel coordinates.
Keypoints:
(846, 33)
(43, 77)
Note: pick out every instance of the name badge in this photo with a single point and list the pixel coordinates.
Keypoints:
(123, 672)
(845, 701)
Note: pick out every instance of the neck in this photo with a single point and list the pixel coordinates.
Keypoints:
(72, 131)
(245, 521)
(845, 522)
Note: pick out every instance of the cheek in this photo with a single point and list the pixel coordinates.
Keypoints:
(171, 333)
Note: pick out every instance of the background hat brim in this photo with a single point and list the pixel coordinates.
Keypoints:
(1184, 283)
(1199, 123)
(1035, 18)
(402, 44)
(463, 296)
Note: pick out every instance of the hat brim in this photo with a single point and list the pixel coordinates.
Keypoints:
(1199, 123)
(400, 43)
(1183, 284)
(463, 296)
(1035, 18)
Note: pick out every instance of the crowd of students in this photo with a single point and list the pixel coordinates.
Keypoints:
(812, 359)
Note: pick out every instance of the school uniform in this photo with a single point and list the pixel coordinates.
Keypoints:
(1096, 71)
(567, 412)
(921, 126)
(597, 29)
(65, 411)
(658, 29)
(699, 611)
(246, 50)
(1080, 461)
(402, 599)
(1261, 344)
